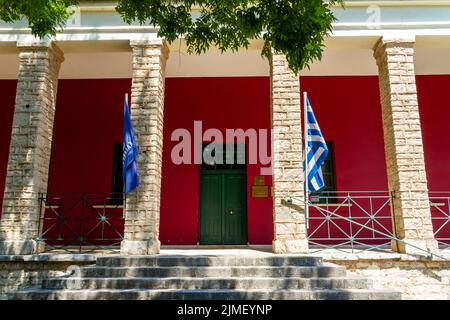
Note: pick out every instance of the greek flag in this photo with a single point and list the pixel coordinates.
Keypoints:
(316, 150)
(130, 152)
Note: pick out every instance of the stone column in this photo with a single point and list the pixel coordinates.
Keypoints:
(403, 145)
(30, 149)
(289, 221)
(147, 109)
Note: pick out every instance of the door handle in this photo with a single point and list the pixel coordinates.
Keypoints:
(231, 212)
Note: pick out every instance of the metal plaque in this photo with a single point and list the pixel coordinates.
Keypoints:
(260, 191)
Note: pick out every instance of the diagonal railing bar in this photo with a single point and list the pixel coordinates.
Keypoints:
(342, 246)
(354, 199)
(361, 229)
(61, 220)
(442, 226)
(318, 227)
(382, 226)
(375, 247)
(93, 228)
(337, 247)
(387, 236)
(332, 222)
(374, 215)
(440, 217)
(103, 215)
(371, 209)
(434, 205)
(81, 221)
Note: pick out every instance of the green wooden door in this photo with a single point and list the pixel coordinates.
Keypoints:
(223, 208)
(211, 209)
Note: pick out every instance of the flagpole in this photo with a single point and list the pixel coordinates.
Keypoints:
(305, 157)
(124, 180)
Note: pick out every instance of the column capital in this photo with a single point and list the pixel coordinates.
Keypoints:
(42, 45)
(386, 42)
(158, 44)
(149, 43)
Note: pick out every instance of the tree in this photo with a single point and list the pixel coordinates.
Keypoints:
(45, 17)
(294, 27)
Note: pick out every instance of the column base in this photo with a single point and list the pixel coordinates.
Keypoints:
(415, 247)
(282, 246)
(140, 247)
(21, 247)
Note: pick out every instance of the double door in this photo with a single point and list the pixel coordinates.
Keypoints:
(223, 207)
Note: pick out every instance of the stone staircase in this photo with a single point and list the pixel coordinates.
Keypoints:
(207, 277)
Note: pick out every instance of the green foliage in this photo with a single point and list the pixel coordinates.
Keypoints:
(294, 27)
(45, 17)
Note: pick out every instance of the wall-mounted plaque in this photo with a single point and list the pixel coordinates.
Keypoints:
(259, 181)
(260, 191)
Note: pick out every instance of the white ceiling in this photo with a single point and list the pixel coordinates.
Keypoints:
(114, 61)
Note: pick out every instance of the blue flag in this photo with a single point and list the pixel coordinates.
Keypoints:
(130, 152)
(317, 151)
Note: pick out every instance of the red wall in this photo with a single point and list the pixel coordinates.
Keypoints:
(434, 107)
(222, 103)
(351, 121)
(88, 121)
(7, 100)
(349, 114)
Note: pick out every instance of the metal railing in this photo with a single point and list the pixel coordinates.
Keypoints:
(356, 220)
(85, 222)
(440, 216)
(367, 222)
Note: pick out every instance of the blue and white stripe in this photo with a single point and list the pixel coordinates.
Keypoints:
(317, 151)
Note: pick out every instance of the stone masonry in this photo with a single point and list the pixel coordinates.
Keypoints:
(21, 272)
(289, 222)
(142, 213)
(403, 145)
(417, 278)
(31, 142)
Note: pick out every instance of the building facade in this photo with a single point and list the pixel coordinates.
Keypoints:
(379, 94)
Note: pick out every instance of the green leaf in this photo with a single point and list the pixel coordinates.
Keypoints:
(293, 27)
(45, 17)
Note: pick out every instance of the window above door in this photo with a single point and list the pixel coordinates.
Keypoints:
(220, 155)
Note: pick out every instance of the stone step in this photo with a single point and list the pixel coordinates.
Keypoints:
(223, 294)
(207, 283)
(198, 261)
(326, 270)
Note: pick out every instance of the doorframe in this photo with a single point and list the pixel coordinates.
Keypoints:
(242, 171)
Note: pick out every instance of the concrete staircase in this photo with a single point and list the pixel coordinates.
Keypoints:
(207, 277)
